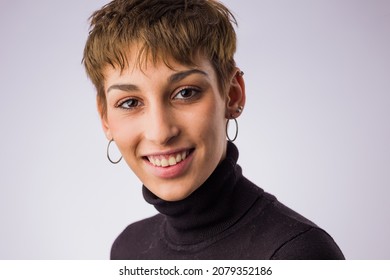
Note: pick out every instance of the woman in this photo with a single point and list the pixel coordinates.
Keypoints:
(167, 86)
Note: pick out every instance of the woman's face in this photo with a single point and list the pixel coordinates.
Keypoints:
(169, 124)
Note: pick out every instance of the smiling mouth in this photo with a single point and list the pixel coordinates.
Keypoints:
(168, 160)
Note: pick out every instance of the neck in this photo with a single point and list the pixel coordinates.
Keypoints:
(209, 210)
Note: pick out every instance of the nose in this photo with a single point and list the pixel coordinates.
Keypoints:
(160, 125)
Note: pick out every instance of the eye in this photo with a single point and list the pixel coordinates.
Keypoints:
(187, 93)
(129, 104)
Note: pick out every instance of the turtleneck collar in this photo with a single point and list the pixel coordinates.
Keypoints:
(211, 209)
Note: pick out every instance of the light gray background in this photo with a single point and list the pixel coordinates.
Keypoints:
(315, 131)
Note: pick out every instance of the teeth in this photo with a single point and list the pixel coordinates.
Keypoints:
(162, 161)
(172, 160)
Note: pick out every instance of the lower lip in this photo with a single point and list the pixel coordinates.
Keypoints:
(170, 172)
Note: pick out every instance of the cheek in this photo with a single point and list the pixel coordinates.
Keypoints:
(213, 118)
(124, 132)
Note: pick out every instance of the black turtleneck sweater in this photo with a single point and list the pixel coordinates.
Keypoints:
(228, 217)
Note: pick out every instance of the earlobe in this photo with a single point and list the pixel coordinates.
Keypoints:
(236, 95)
(106, 128)
(103, 119)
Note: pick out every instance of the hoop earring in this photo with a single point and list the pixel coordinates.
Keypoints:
(108, 153)
(227, 133)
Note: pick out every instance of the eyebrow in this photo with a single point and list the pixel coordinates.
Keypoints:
(172, 79)
(123, 87)
(183, 74)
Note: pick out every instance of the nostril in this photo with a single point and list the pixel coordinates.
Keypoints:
(163, 134)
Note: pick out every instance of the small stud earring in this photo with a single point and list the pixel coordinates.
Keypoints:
(239, 109)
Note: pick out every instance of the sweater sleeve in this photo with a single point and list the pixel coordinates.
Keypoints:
(312, 244)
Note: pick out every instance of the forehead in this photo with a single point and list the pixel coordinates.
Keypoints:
(154, 68)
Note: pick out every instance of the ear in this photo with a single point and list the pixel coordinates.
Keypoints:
(236, 95)
(102, 110)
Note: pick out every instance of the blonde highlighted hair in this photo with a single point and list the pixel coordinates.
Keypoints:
(163, 30)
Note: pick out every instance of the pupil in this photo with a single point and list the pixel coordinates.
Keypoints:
(186, 93)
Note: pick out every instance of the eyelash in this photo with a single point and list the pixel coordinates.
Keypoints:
(194, 96)
(195, 93)
(122, 103)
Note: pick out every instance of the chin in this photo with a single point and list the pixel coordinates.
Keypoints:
(169, 193)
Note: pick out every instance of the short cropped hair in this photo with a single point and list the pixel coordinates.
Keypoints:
(163, 30)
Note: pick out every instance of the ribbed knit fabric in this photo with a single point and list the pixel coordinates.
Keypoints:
(228, 217)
